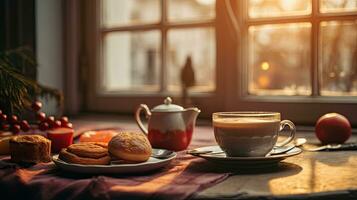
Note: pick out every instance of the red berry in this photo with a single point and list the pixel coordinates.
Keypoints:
(3, 117)
(25, 126)
(50, 120)
(36, 106)
(15, 128)
(67, 125)
(56, 124)
(5, 127)
(44, 126)
(64, 120)
(41, 116)
(12, 119)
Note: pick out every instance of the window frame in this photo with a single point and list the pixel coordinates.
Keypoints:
(300, 109)
(127, 101)
(164, 26)
(314, 19)
(231, 64)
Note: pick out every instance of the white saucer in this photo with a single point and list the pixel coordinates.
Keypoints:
(256, 162)
(151, 164)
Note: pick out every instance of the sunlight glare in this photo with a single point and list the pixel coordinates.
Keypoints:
(288, 4)
(265, 66)
(206, 2)
(263, 81)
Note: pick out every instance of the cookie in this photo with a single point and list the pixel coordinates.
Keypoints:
(88, 149)
(69, 157)
(130, 146)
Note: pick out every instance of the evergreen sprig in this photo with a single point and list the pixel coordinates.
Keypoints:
(16, 89)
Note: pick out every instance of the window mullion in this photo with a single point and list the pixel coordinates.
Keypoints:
(145, 27)
(278, 20)
(163, 77)
(140, 27)
(315, 82)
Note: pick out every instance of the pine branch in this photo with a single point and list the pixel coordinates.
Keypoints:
(17, 90)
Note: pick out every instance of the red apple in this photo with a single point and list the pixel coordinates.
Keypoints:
(333, 128)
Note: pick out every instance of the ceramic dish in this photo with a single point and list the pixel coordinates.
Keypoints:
(149, 165)
(254, 162)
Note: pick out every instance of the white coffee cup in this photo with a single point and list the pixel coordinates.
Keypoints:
(250, 134)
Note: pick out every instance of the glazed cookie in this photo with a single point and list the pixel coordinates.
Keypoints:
(88, 149)
(73, 158)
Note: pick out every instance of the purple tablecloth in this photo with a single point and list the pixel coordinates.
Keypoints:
(184, 177)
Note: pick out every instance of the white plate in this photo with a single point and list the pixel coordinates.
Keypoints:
(257, 162)
(151, 164)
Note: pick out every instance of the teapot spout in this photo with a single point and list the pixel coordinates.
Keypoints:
(190, 116)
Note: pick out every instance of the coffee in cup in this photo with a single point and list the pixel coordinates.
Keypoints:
(246, 134)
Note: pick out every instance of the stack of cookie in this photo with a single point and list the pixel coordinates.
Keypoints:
(88, 153)
(129, 147)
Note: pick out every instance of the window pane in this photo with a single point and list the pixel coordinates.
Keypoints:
(180, 10)
(338, 58)
(276, 8)
(199, 44)
(338, 5)
(279, 59)
(127, 12)
(131, 61)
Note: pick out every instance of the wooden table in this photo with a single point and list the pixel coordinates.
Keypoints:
(310, 175)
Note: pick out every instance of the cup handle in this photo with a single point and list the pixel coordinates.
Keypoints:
(291, 135)
(137, 117)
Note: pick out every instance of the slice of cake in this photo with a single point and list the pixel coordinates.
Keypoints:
(30, 149)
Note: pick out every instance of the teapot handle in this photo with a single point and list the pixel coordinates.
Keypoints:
(137, 117)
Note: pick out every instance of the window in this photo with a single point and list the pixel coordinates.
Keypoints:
(135, 50)
(147, 42)
(305, 48)
(297, 57)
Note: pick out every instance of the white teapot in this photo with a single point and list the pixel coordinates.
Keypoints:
(170, 126)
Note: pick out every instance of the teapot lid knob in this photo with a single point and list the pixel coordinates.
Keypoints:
(168, 106)
(168, 101)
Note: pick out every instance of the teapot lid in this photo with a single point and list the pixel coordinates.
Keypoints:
(167, 106)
